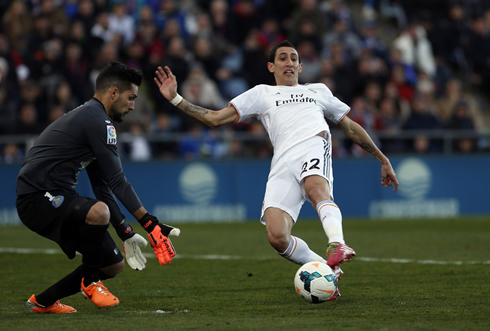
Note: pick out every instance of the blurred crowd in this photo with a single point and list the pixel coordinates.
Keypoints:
(401, 65)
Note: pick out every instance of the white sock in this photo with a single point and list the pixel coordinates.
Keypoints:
(331, 218)
(299, 252)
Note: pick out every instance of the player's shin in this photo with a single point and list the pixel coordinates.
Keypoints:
(331, 218)
(68, 285)
(91, 243)
(299, 252)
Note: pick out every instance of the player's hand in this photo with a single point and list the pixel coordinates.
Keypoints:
(166, 82)
(132, 250)
(388, 176)
(164, 250)
(158, 234)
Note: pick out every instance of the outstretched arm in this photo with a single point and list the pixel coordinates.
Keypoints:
(357, 134)
(167, 85)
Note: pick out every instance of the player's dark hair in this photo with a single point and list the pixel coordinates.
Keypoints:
(285, 43)
(119, 75)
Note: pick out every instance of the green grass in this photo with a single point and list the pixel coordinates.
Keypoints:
(253, 290)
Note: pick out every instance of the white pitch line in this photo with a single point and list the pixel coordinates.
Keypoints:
(239, 257)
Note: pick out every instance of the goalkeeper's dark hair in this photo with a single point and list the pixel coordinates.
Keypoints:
(119, 75)
(285, 43)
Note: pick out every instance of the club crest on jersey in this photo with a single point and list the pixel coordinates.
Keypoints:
(56, 201)
(111, 135)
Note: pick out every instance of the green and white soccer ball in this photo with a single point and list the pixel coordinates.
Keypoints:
(315, 282)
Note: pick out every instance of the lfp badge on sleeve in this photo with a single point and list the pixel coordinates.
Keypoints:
(111, 135)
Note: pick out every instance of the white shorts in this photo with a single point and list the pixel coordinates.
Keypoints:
(285, 186)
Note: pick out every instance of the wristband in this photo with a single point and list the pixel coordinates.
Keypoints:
(178, 99)
(148, 222)
(124, 231)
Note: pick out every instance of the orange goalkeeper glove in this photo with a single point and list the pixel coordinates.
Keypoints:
(158, 234)
(164, 250)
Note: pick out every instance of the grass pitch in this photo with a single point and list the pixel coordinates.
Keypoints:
(408, 275)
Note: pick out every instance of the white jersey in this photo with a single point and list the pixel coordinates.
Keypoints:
(290, 114)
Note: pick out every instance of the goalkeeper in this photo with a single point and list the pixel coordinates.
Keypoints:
(48, 204)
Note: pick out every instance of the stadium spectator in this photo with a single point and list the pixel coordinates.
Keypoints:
(451, 37)
(229, 80)
(121, 23)
(402, 106)
(197, 143)
(477, 51)
(8, 111)
(31, 93)
(420, 145)
(17, 25)
(422, 118)
(163, 128)
(170, 10)
(86, 15)
(453, 96)
(308, 10)
(63, 97)
(27, 122)
(171, 30)
(204, 54)
(406, 91)
(42, 32)
(306, 31)
(270, 33)
(311, 60)
(293, 115)
(205, 30)
(55, 112)
(138, 149)
(56, 16)
(345, 73)
(338, 10)
(342, 34)
(253, 54)
(416, 49)
(177, 55)
(461, 119)
(12, 154)
(101, 28)
(371, 40)
(199, 88)
(145, 15)
(389, 124)
(246, 17)
(147, 36)
(370, 70)
(75, 70)
(224, 26)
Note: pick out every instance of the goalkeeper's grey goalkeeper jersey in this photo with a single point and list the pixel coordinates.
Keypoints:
(83, 138)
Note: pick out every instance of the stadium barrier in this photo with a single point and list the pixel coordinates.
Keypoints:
(232, 191)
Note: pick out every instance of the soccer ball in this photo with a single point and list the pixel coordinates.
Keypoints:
(315, 282)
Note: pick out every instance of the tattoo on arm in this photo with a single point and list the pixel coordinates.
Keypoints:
(358, 135)
(193, 109)
(367, 146)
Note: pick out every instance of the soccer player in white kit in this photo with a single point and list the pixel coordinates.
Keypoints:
(301, 168)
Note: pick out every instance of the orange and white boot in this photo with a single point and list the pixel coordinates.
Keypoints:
(55, 308)
(99, 295)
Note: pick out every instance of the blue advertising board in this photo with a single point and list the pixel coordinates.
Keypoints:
(230, 191)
